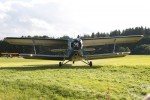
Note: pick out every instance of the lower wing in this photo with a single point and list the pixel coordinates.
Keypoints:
(44, 57)
(106, 55)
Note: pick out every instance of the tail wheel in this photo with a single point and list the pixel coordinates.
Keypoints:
(60, 64)
(90, 63)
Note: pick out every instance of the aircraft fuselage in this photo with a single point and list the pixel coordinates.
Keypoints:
(75, 47)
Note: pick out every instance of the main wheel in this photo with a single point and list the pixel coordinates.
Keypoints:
(90, 64)
(60, 64)
(73, 62)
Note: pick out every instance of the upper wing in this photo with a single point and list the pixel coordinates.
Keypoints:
(112, 40)
(37, 41)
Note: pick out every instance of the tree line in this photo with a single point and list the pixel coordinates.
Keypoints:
(141, 47)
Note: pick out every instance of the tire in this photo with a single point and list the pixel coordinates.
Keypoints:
(90, 64)
(60, 64)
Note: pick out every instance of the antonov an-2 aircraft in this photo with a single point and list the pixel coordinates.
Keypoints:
(74, 48)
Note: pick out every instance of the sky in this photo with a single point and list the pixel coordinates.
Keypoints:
(56, 18)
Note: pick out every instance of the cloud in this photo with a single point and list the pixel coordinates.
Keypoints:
(19, 18)
(59, 17)
(37, 18)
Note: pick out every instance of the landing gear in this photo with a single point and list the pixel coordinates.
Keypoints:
(88, 62)
(62, 63)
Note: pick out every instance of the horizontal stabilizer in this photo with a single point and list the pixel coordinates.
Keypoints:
(59, 50)
(89, 49)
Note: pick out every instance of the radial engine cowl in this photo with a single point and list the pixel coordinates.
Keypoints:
(76, 44)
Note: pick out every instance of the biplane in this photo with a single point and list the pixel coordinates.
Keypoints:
(74, 48)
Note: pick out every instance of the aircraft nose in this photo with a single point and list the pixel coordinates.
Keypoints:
(76, 45)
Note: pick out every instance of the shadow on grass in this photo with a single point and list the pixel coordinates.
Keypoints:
(45, 67)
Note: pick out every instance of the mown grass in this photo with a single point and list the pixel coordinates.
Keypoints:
(125, 78)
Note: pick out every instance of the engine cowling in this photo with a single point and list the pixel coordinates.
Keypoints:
(76, 44)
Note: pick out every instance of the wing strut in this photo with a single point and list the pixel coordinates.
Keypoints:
(34, 47)
(114, 45)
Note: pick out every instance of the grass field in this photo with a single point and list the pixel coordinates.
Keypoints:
(126, 78)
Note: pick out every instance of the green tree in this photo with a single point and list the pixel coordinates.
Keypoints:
(121, 49)
(127, 49)
(93, 35)
(65, 37)
(115, 33)
(143, 49)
